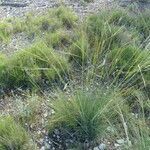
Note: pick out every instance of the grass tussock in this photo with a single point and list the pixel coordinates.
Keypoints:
(32, 65)
(84, 115)
(13, 136)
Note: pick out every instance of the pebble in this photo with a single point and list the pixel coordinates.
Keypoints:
(121, 141)
(102, 146)
(42, 148)
(117, 145)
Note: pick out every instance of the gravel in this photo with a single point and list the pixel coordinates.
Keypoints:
(78, 6)
(9, 10)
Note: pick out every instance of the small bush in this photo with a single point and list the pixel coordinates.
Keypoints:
(13, 136)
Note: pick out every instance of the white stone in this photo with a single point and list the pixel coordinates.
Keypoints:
(102, 146)
(120, 141)
(116, 145)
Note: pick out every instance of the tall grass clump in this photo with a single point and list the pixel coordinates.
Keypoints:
(137, 122)
(5, 31)
(83, 116)
(13, 136)
(113, 49)
(66, 15)
(31, 66)
(59, 38)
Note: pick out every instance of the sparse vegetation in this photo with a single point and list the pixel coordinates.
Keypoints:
(103, 65)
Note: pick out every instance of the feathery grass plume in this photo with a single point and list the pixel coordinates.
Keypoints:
(13, 136)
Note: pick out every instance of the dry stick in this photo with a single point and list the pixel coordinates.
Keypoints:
(14, 4)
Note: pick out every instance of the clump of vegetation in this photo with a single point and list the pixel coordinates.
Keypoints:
(59, 38)
(5, 31)
(83, 115)
(13, 136)
(110, 48)
(30, 66)
(88, 1)
(67, 16)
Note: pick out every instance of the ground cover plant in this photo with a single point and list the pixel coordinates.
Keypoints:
(103, 66)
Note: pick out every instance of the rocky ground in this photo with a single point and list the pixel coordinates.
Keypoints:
(8, 9)
(18, 8)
